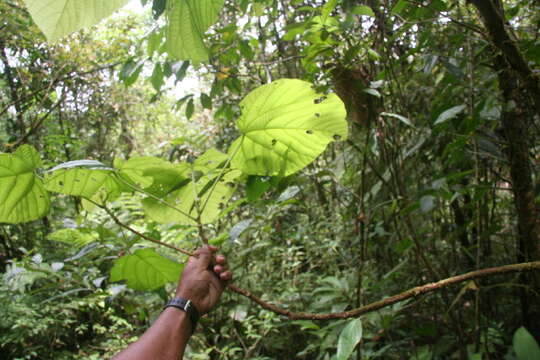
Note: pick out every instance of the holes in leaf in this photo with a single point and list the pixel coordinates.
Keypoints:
(221, 206)
(309, 132)
(317, 115)
(319, 100)
(274, 142)
(337, 137)
(61, 183)
(230, 184)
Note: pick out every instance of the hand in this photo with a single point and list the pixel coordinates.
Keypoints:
(200, 284)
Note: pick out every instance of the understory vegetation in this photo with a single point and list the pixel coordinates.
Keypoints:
(339, 153)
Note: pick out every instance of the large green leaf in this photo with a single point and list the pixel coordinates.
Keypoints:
(285, 125)
(188, 21)
(22, 195)
(525, 345)
(210, 160)
(57, 18)
(348, 339)
(145, 270)
(144, 171)
(205, 197)
(85, 178)
(201, 189)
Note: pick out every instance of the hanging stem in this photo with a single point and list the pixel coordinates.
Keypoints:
(127, 227)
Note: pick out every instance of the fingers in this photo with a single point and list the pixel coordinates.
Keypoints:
(219, 266)
(220, 259)
(226, 276)
(204, 256)
(221, 269)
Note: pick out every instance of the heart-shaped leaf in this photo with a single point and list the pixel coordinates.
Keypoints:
(188, 21)
(285, 125)
(57, 18)
(145, 270)
(22, 194)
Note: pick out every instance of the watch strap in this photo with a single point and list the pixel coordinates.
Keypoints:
(188, 307)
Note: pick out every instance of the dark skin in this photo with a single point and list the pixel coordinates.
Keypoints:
(166, 339)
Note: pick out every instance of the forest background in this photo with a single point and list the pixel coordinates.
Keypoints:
(436, 176)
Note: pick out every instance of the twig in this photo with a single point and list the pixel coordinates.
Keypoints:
(158, 199)
(127, 227)
(414, 292)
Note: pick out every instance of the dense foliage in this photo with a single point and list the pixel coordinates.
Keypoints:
(339, 152)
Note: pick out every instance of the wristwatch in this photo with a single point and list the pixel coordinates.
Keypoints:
(188, 307)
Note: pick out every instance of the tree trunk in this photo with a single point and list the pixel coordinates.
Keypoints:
(521, 96)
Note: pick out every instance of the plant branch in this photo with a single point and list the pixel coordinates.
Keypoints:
(411, 293)
(145, 237)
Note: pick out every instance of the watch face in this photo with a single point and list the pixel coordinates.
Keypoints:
(188, 306)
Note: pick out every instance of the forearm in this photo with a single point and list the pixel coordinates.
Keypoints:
(165, 340)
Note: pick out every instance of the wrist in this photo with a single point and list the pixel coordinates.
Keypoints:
(189, 295)
(180, 319)
(188, 307)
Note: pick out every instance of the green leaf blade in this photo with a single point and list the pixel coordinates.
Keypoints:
(188, 21)
(449, 114)
(58, 18)
(285, 126)
(80, 182)
(145, 269)
(23, 197)
(525, 345)
(348, 339)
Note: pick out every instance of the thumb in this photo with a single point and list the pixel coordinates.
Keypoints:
(204, 257)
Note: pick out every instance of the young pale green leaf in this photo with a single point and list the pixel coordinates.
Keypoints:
(22, 194)
(285, 125)
(145, 270)
(58, 18)
(188, 20)
(349, 338)
(449, 114)
(525, 345)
